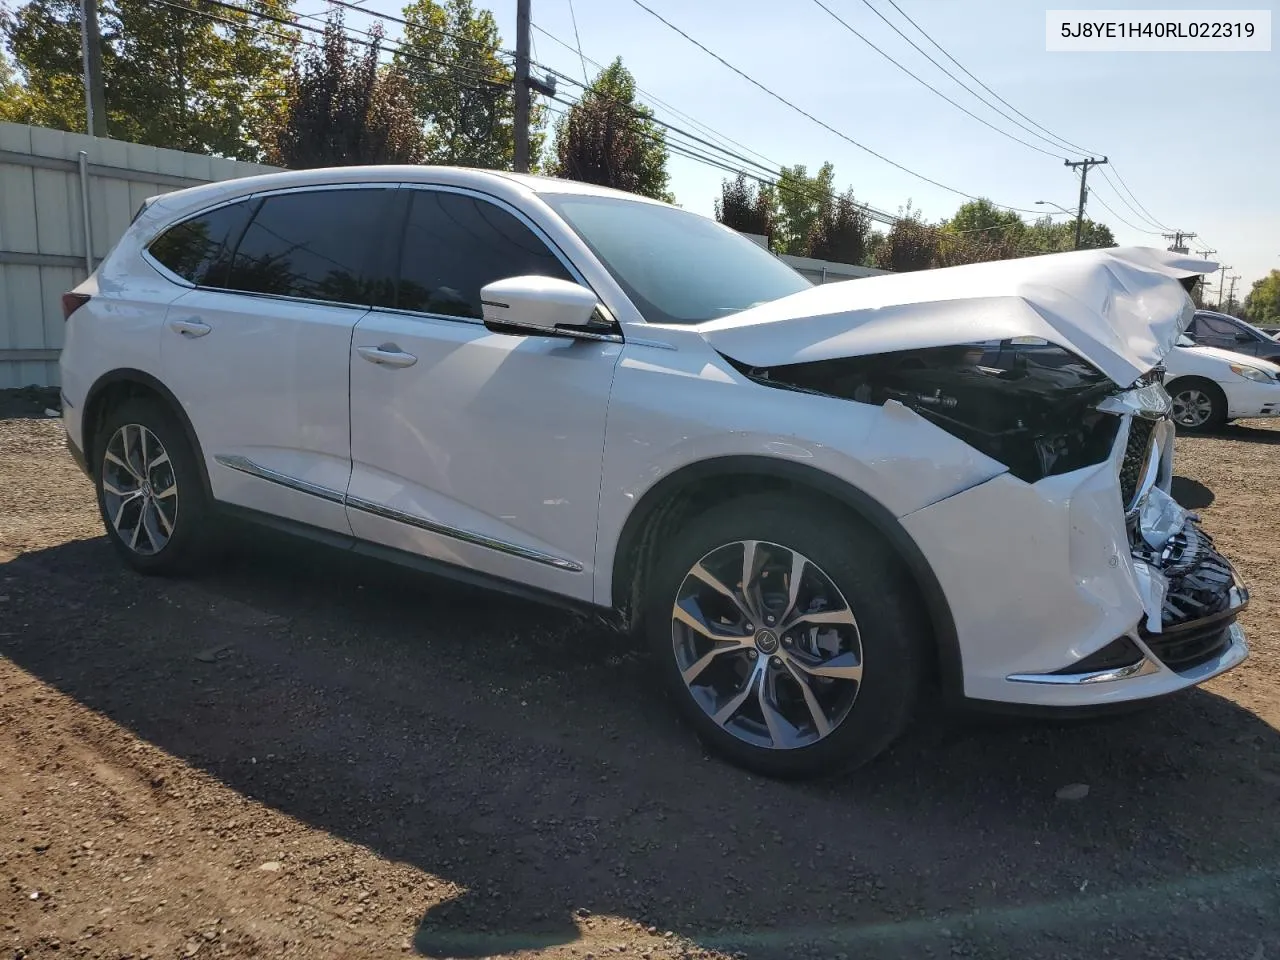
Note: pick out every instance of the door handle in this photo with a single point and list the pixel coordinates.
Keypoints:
(387, 355)
(190, 328)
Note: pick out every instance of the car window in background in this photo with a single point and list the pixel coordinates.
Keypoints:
(1209, 326)
(200, 249)
(676, 266)
(315, 244)
(454, 244)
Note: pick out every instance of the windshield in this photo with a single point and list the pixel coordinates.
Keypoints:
(676, 266)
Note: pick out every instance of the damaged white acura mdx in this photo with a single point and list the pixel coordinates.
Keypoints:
(813, 502)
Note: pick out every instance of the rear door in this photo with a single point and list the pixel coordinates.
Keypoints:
(257, 353)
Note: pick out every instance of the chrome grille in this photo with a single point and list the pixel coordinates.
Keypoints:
(1135, 457)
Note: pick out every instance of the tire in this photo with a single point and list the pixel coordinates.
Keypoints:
(1199, 405)
(868, 579)
(155, 532)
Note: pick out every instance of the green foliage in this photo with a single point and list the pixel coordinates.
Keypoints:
(910, 244)
(460, 89)
(609, 139)
(345, 108)
(799, 201)
(840, 232)
(746, 206)
(1262, 305)
(172, 79)
(983, 224)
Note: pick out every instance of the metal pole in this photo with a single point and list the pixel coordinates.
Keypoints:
(95, 98)
(522, 87)
(83, 159)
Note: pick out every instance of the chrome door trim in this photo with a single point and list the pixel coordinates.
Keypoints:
(466, 536)
(247, 466)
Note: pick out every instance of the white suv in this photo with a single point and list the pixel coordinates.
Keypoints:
(813, 502)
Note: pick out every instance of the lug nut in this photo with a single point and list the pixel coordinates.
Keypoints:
(787, 641)
(769, 620)
(777, 661)
(750, 628)
(752, 654)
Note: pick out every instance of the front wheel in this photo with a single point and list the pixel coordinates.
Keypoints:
(788, 637)
(1198, 405)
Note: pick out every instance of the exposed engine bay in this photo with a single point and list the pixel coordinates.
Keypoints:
(1034, 407)
(1027, 403)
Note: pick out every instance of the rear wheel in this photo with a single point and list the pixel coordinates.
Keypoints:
(150, 493)
(1198, 405)
(788, 639)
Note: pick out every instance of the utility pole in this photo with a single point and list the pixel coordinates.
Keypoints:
(522, 87)
(1178, 237)
(1084, 166)
(1222, 283)
(95, 98)
(1231, 297)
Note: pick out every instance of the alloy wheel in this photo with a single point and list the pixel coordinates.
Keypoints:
(139, 490)
(1192, 407)
(766, 644)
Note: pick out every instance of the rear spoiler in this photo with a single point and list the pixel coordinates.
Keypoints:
(145, 203)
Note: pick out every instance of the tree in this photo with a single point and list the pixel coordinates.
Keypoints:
(461, 90)
(745, 206)
(173, 78)
(1046, 236)
(800, 198)
(841, 230)
(984, 225)
(911, 244)
(609, 139)
(1262, 305)
(347, 109)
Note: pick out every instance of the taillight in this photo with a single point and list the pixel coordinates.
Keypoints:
(71, 302)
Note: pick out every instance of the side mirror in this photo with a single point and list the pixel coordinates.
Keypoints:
(544, 306)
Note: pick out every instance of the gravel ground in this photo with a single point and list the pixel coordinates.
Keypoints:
(306, 754)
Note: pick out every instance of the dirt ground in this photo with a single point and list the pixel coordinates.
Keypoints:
(306, 754)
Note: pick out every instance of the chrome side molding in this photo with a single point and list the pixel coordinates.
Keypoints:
(247, 466)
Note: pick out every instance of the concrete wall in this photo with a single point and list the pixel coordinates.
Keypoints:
(820, 271)
(42, 233)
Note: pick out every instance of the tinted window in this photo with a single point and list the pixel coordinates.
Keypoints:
(314, 244)
(1208, 326)
(676, 266)
(199, 249)
(455, 244)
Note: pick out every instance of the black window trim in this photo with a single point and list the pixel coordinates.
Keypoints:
(397, 252)
(391, 186)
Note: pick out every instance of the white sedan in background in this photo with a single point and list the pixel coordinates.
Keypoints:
(1210, 386)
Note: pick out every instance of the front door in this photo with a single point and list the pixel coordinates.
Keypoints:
(479, 449)
(260, 364)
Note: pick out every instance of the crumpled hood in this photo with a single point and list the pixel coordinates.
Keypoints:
(1120, 308)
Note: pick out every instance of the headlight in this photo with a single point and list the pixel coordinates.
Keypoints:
(1255, 374)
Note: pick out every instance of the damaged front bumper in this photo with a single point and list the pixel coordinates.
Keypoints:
(1082, 597)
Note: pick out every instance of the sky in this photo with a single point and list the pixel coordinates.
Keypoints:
(1195, 136)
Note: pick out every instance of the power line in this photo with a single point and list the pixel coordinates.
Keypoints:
(391, 18)
(805, 113)
(297, 40)
(470, 72)
(943, 51)
(578, 41)
(1127, 203)
(916, 77)
(654, 100)
(1135, 200)
(1139, 210)
(691, 152)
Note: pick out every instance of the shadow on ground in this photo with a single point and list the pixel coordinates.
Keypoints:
(1191, 494)
(521, 752)
(1236, 431)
